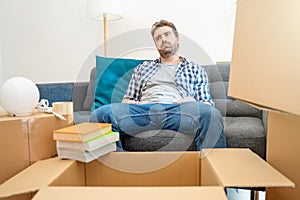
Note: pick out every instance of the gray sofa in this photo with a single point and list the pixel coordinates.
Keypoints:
(244, 125)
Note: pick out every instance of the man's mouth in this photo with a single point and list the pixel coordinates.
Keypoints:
(166, 46)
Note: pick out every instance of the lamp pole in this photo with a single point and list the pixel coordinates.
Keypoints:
(104, 34)
(105, 10)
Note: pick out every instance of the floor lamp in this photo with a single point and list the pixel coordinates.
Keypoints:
(105, 10)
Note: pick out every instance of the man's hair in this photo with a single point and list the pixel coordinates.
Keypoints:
(162, 23)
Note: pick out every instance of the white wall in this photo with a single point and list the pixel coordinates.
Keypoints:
(1, 73)
(50, 40)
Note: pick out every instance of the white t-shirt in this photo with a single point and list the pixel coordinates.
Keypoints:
(161, 88)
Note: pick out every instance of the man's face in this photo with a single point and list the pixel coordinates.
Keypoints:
(166, 42)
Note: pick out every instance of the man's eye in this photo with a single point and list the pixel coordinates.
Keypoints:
(157, 38)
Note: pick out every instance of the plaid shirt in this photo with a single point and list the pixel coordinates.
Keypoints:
(191, 80)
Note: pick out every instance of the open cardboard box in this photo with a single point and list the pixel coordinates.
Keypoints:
(27, 139)
(206, 172)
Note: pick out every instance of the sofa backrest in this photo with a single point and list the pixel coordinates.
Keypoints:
(89, 99)
(55, 92)
(218, 79)
(218, 76)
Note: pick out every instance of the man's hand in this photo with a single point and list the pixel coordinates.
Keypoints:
(130, 101)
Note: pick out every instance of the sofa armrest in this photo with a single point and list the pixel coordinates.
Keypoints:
(79, 95)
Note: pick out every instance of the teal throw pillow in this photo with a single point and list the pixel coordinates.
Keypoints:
(112, 79)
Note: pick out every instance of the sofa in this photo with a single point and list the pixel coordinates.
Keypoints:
(244, 125)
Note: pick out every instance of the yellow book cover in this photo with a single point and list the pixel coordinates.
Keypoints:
(82, 132)
(90, 145)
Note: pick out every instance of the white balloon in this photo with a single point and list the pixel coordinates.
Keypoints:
(19, 96)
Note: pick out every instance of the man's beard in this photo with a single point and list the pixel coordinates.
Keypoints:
(169, 51)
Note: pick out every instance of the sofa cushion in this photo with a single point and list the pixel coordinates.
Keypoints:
(160, 140)
(245, 132)
(109, 82)
(236, 108)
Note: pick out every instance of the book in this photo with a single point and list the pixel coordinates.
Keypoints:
(82, 132)
(85, 156)
(92, 144)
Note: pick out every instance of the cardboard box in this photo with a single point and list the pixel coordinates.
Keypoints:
(209, 168)
(265, 61)
(133, 193)
(283, 152)
(25, 140)
(265, 72)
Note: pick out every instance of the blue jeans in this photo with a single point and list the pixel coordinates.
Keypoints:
(202, 120)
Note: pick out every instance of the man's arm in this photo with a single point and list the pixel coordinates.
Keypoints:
(131, 95)
(191, 99)
(126, 100)
(202, 88)
(186, 99)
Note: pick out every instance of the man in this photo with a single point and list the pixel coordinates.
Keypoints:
(167, 93)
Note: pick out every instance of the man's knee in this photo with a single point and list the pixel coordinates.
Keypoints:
(216, 114)
(101, 113)
(207, 111)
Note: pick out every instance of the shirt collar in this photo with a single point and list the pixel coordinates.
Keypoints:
(183, 60)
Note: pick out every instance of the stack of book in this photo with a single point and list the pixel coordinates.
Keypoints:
(86, 141)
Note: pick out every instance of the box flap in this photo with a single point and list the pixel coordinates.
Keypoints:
(35, 177)
(243, 168)
(133, 193)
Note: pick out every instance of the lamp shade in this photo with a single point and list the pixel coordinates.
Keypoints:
(19, 96)
(111, 9)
